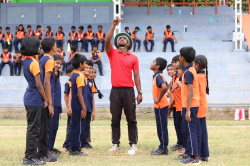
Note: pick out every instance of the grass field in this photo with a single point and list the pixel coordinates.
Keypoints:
(228, 142)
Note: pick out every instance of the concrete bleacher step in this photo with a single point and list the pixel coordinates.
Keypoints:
(174, 19)
(208, 28)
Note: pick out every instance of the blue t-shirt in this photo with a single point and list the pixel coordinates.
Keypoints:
(88, 95)
(32, 96)
(57, 94)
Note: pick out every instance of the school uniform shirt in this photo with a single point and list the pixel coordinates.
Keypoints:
(95, 55)
(31, 33)
(150, 36)
(169, 34)
(190, 77)
(6, 56)
(133, 34)
(20, 34)
(73, 35)
(1, 35)
(38, 34)
(128, 33)
(47, 65)
(203, 95)
(14, 57)
(57, 94)
(158, 79)
(8, 36)
(60, 35)
(171, 87)
(32, 97)
(49, 34)
(77, 81)
(177, 93)
(80, 36)
(89, 89)
(100, 35)
(89, 34)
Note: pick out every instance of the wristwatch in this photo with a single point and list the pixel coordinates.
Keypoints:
(140, 92)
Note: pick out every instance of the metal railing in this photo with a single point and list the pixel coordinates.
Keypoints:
(171, 3)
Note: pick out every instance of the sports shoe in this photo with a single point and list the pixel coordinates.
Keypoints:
(50, 158)
(56, 152)
(204, 159)
(174, 146)
(159, 152)
(32, 162)
(178, 147)
(181, 157)
(114, 148)
(163, 50)
(173, 51)
(181, 150)
(88, 146)
(190, 161)
(133, 147)
(77, 153)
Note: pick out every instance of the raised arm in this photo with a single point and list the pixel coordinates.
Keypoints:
(108, 44)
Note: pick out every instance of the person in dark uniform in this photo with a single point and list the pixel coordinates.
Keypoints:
(122, 93)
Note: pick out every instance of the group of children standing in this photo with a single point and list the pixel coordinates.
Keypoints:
(150, 38)
(42, 101)
(187, 93)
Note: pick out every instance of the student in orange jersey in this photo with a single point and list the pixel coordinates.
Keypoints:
(149, 38)
(39, 32)
(201, 67)
(190, 98)
(1, 37)
(160, 87)
(89, 37)
(20, 34)
(29, 31)
(100, 37)
(73, 37)
(80, 37)
(60, 37)
(135, 39)
(8, 39)
(168, 37)
(48, 32)
(17, 62)
(6, 59)
(62, 54)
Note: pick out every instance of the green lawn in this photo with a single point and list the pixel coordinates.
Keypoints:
(228, 145)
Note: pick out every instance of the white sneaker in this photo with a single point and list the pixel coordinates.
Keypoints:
(114, 148)
(133, 147)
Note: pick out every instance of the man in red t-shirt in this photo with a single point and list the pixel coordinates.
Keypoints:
(122, 95)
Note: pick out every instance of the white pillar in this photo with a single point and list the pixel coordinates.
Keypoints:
(118, 27)
(238, 34)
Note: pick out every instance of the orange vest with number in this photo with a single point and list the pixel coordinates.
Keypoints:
(184, 90)
(150, 36)
(6, 56)
(59, 36)
(80, 36)
(100, 35)
(177, 94)
(29, 33)
(61, 54)
(72, 54)
(133, 35)
(169, 34)
(156, 92)
(19, 34)
(49, 34)
(73, 35)
(90, 34)
(8, 36)
(38, 34)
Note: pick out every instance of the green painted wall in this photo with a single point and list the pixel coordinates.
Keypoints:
(57, 1)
